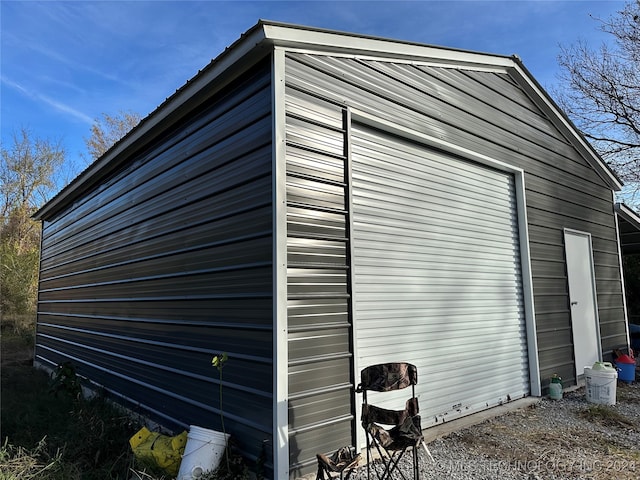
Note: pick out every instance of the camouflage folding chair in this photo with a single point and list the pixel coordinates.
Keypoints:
(391, 432)
(341, 464)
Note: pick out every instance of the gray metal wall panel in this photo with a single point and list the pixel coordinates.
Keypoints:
(457, 124)
(488, 113)
(213, 125)
(214, 169)
(319, 324)
(169, 262)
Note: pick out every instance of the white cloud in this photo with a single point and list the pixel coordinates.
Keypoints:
(76, 65)
(55, 104)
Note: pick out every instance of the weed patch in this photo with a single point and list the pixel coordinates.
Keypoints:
(61, 437)
(605, 415)
(16, 340)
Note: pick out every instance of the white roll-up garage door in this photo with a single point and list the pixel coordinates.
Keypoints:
(437, 277)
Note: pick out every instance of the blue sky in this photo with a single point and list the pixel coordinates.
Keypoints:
(65, 63)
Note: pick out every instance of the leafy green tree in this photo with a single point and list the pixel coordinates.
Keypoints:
(601, 94)
(27, 178)
(108, 129)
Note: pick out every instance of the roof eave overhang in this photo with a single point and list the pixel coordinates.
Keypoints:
(299, 37)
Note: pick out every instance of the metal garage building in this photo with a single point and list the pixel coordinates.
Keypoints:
(313, 202)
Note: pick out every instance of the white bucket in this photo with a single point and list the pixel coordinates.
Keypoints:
(202, 453)
(601, 385)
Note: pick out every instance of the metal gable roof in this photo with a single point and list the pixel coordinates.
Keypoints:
(261, 39)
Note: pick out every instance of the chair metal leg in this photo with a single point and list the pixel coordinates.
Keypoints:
(428, 452)
(320, 474)
(392, 462)
(392, 465)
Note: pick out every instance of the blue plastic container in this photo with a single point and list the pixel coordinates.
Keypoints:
(626, 372)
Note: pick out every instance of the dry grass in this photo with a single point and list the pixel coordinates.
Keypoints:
(606, 415)
(49, 436)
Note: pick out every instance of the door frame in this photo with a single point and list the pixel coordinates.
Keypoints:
(587, 236)
(355, 115)
(358, 116)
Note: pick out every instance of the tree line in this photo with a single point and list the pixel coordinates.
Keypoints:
(599, 90)
(30, 174)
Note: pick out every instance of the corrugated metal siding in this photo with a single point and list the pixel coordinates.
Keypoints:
(319, 324)
(437, 274)
(488, 113)
(169, 262)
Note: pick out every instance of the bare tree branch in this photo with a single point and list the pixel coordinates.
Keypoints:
(601, 92)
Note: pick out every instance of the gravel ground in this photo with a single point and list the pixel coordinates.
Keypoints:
(549, 440)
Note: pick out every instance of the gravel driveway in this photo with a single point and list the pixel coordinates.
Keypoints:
(548, 440)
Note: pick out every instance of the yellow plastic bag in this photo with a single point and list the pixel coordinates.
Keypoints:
(164, 451)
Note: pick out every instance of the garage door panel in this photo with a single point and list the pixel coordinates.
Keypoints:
(406, 189)
(416, 243)
(410, 224)
(491, 227)
(397, 155)
(451, 318)
(437, 278)
(471, 304)
(455, 365)
(434, 330)
(447, 269)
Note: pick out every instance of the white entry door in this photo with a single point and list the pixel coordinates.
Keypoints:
(582, 298)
